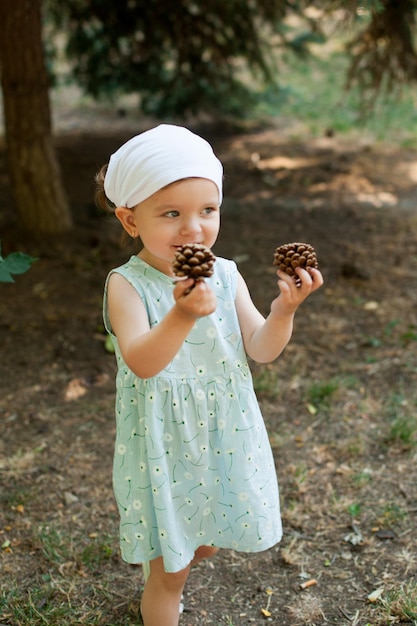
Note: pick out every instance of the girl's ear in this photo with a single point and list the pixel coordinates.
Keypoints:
(127, 219)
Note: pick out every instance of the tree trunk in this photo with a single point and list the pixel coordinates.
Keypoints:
(38, 190)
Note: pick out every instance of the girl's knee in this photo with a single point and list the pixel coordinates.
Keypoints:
(204, 552)
(170, 580)
(176, 580)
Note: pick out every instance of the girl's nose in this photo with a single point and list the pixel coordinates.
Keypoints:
(190, 226)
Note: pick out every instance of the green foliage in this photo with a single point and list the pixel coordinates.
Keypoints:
(319, 393)
(266, 383)
(410, 334)
(391, 515)
(38, 606)
(187, 56)
(400, 604)
(354, 509)
(95, 554)
(108, 344)
(53, 545)
(315, 95)
(181, 56)
(14, 263)
(383, 53)
(403, 422)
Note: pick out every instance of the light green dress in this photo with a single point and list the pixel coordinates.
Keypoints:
(193, 465)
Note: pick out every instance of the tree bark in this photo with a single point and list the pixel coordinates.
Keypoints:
(36, 179)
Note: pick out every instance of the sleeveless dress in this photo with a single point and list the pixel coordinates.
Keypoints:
(192, 464)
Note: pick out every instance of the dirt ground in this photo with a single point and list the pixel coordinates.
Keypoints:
(340, 404)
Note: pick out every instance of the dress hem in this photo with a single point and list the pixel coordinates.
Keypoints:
(187, 560)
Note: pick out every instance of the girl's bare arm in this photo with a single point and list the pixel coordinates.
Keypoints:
(147, 351)
(265, 339)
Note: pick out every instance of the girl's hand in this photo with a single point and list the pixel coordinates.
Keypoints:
(291, 295)
(194, 299)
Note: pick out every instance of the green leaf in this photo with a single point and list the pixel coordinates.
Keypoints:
(108, 345)
(5, 276)
(14, 263)
(18, 262)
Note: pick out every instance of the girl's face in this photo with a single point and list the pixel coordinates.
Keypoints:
(187, 211)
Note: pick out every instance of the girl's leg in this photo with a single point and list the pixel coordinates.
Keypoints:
(204, 552)
(162, 595)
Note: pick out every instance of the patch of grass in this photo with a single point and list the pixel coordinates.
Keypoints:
(391, 515)
(374, 342)
(399, 604)
(362, 478)
(43, 605)
(30, 608)
(354, 447)
(66, 601)
(71, 579)
(12, 498)
(319, 393)
(55, 547)
(300, 473)
(388, 335)
(390, 326)
(95, 554)
(403, 430)
(403, 422)
(313, 92)
(58, 548)
(409, 335)
(354, 509)
(266, 383)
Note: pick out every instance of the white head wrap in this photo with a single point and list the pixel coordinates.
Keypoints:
(156, 158)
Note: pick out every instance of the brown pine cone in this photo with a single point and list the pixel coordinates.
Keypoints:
(291, 255)
(193, 260)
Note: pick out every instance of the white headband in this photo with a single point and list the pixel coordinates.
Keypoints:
(160, 156)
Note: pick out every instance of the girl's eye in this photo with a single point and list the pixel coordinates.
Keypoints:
(208, 210)
(171, 214)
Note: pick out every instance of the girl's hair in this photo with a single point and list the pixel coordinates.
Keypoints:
(105, 204)
(101, 199)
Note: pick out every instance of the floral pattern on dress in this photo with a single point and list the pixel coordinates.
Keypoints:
(192, 464)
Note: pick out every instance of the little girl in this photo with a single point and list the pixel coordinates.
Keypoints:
(193, 468)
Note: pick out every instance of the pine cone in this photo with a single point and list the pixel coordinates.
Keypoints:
(194, 261)
(292, 255)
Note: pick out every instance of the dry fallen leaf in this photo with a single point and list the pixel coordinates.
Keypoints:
(76, 388)
(373, 597)
(70, 498)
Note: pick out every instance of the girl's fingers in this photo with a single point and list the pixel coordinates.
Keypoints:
(316, 277)
(284, 277)
(195, 298)
(304, 276)
(310, 280)
(183, 287)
